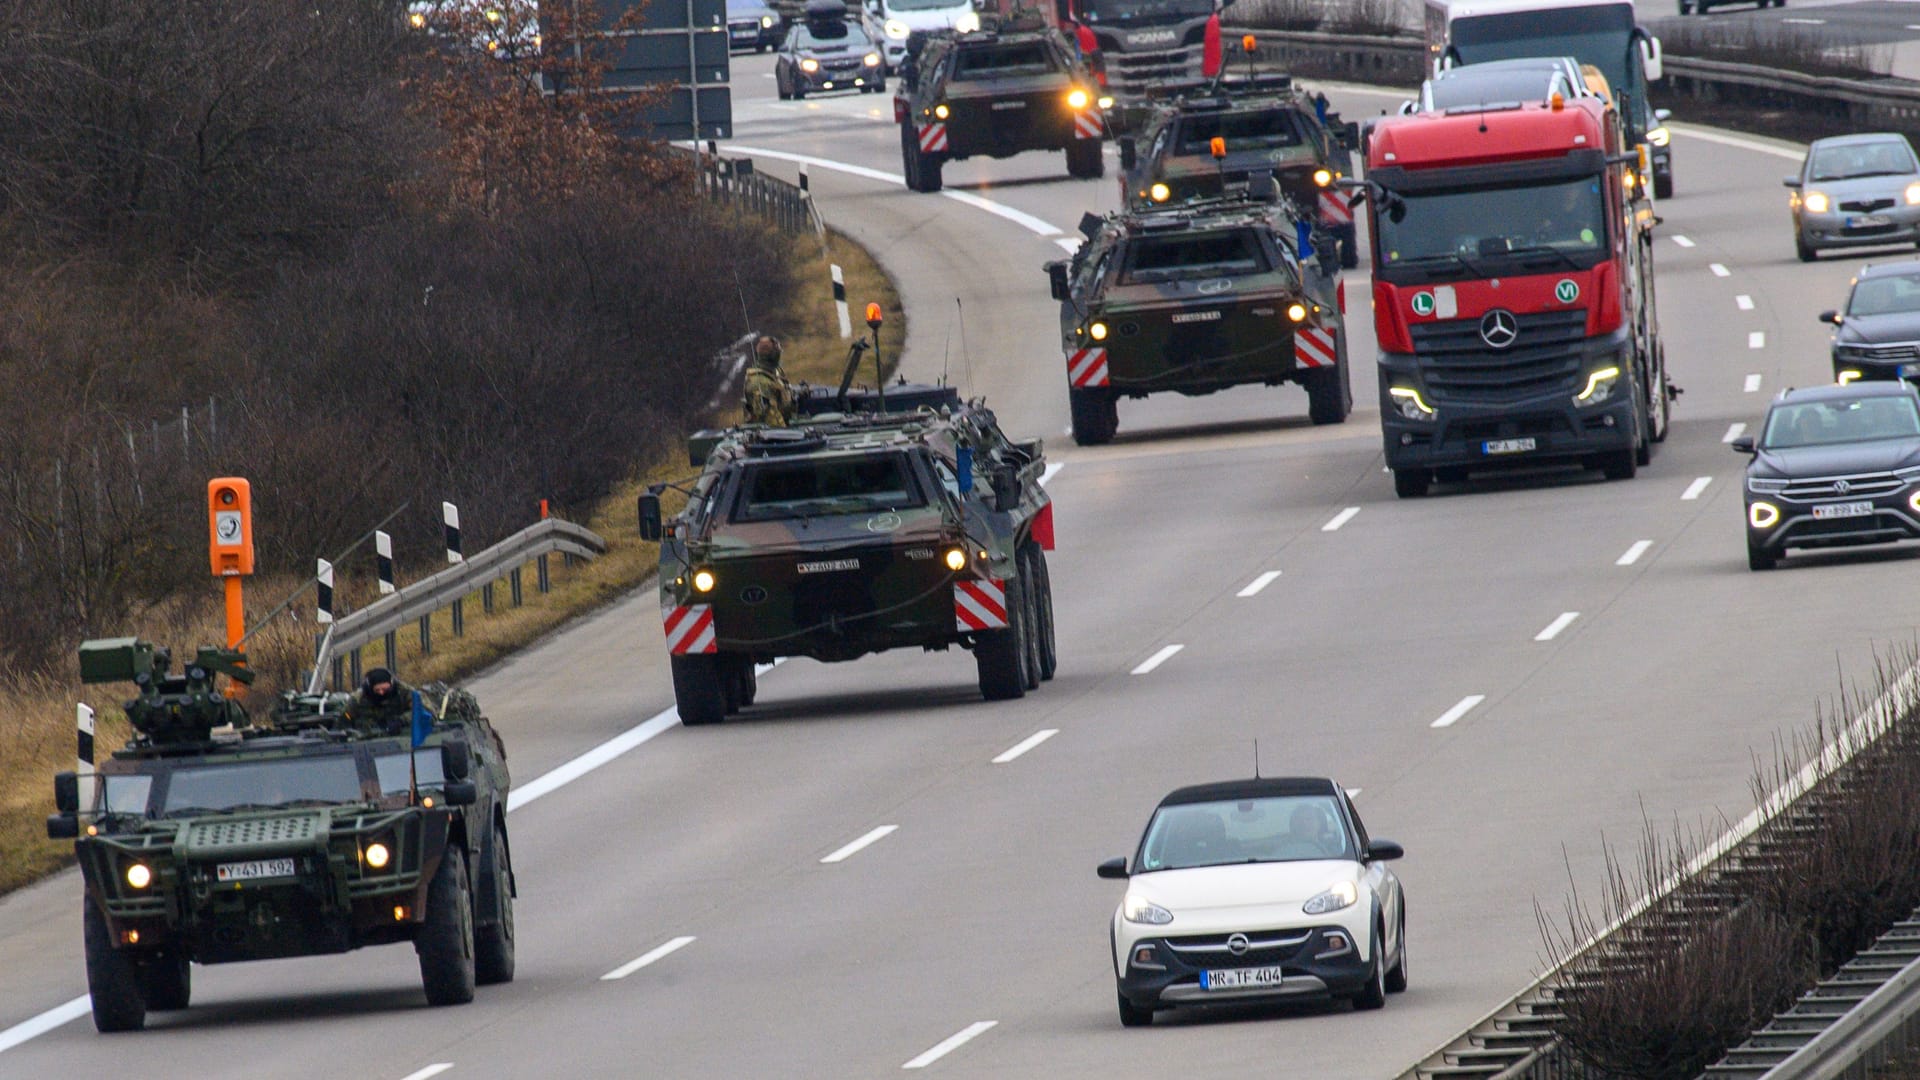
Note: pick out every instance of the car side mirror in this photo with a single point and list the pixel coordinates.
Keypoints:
(1408, 108)
(1384, 851)
(1129, 152)
(1830, 317)
(66, 792)
(459, 793)
(456, 761)
(1744, 445)
(650, 526)
(62, 827)
(1115, 867)
(1791, 181)
(1663, 115)
(1057, 278)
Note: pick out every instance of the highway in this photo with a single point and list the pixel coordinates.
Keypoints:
(844, 882)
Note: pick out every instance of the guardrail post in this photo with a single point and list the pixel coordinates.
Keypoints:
(513, 584)
(353, 668)
(459, 619)
(335, 673)
(486, 598)
(543, 583)
(392, 655)
(426, 635)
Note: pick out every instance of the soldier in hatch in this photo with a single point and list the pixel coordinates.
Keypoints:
(384, 704)
(769, 399)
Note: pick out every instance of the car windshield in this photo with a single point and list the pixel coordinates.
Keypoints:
(1823, 423)
(1506, 87)
(1002, 60)
(829, 34)
(1194, 255)
(1134, 11)
(1563, 221)
(324, 778)
(1288, 828)
(1270, 129)
(1886, 295)
(846, 485)
(392, 770)
(1885, 157)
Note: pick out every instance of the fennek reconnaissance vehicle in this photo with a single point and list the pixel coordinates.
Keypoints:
(208, 839)
(901, 518)
(1200, 297)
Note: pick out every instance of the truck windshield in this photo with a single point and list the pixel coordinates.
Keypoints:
(1002, 61)
(848, 485)
(927, 5)
(1194, 255)
(328, 778)
(1142, 11)
(1601, 36)
(1560, 221)
(1268, 130)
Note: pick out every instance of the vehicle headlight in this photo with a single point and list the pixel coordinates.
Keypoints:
(1847, 376)
(1765, 485)
(1322, 177)
(139, 875)
(941, 112)
(417, 20)
(1077, 98)
(1763, 515)
(1340, 894)
(703, 581)
(766, 22)
(809, 65)
(967, 23)
(1104, 102)
(1409, 403)
(1599, 386)
(1141, 911)
(1160, 192)
(1816, 202)
(1097, 331)
(896, 29)
(956, 559)
(378, 856)
(1913, 501)
(1297, 311)
(872, 59)
(1659, 136)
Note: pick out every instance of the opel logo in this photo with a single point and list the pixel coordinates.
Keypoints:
(1498, 328)
(1841, 487)
(1238, 944)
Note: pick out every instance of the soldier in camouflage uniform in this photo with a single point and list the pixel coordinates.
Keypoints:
(769, 399)
(384, 704)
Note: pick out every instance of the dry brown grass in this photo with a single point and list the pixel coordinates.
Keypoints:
(36, 715)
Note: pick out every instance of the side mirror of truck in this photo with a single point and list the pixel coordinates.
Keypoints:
(1350, 135)
(62, 827)
(1057, 278)
(1129, 152)
(650, 525)
(1744, 445)
(1830, 317)
(66, 792)
(456, 761)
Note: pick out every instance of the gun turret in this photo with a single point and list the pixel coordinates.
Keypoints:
(170, 709)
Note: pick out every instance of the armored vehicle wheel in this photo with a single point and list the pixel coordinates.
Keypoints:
(749, 681)
(445, 942)
(697, 690)
(730, 689)
(1030, 591)
(1411, 483)
(922, 170)
(1329, 394)
(112, 981)
(493, 943)
(1085, 161)
(1043, 629)
(1001, 655)
(1349, 252)
(166, 981)
(1096, 416)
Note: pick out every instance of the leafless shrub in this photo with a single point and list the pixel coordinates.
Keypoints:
(1367, 18)
(1279, 14)
(1809, 50)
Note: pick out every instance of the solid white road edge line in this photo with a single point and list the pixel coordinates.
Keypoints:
(1757, 147)
(1465, 706)
(1157, 659)
(434, 1069)
(1694, 489)
(648, 957)
(1719, 271)
(1553, 628)
(1340, 519)
(1633, 554)
(1018, 217)
(1734, 431)
(951, 1043)
(1261, 582)
(858, 845)
(1743, 302)
(1025, 745)
(1752, 383)
(45, 1022)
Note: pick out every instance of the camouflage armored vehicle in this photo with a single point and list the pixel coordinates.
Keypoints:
(211, 840)
(903, 520)
(996, 93)
(1207, 296)
(1264, 124)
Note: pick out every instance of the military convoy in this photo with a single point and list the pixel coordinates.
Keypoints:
(1211, 294)
(209, 839)
(881, 519)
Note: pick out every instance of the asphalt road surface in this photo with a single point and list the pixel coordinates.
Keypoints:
(968, 934)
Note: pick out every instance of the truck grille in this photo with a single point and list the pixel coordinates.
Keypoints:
(1134, 72)
(1458, 365)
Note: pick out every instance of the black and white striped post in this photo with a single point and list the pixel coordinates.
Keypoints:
(840, 302)
(383, 561)
(450, 514)
(83, 766)
(323, 614)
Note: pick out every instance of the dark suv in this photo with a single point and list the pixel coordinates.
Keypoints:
(1877, 337)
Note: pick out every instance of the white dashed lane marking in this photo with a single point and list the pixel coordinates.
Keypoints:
(432, 1070)
(1734, 431)
(1757, 340)
(1465, 706)
(1683, 241)
(1752, 383)
(1633, 554)
(1694, 489)
(647, 958)
(1253, 588)
(1553, 628)
(860, 845)
(1340, 519)
(951, 1043)
(1743, 302)
(1154, 661)
(1719, 271)
(1026, 744)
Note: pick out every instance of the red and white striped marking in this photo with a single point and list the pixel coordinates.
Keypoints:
(1087, 367)
(933, 138)
(1314, 348)
(1086, 125)
(1334, 209)
(980, 605)
(689, 629)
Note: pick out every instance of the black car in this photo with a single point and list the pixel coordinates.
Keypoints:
(828, 54)
(1878, 335)
(751, 24)
(1833, 466)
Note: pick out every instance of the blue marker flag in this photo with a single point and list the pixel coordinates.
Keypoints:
(1304, 233)
(963, 466)
(422, 720)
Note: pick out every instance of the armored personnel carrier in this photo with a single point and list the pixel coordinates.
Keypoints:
(1212, 294)
(879, 520)
(1260, 123)
(208, 839)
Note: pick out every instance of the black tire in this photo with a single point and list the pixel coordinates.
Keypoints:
(1349, 251)
(698, 692)
(1329, 394)
(1132, 1015)
(1801, 249)
(113, 983)
(1663, 186)
(922, 170)
(750, 681)
(166, 981)
(1043, 580)
(1374, 994)
(1620, 464)
(445, 942)
(1411, 483)
(493, 943)
(1759, 558)
(1085, 161)
(1096, 416)
(1000, 656)
(1030, 591)
(780, 87)
(1396, 980)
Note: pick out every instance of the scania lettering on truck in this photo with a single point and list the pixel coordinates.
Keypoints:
(1598, 32)
(1513, 293)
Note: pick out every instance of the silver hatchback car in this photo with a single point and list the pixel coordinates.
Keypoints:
(1855, 191)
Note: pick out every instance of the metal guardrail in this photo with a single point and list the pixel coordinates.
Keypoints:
(733, 182)
(447, 588)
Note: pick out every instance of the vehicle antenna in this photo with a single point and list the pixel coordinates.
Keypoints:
(740, 291)
(960, 314)
(1256, 759)
(944, 343)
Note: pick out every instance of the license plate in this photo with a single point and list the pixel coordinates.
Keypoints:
(827, 566)
(1241, 978)
(1868, 221)
(1002, 106)
(254, 871)
(1507, 446)
(1828, 511)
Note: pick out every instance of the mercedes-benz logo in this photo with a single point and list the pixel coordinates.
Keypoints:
(1498, 328)
(1237, 944)
(1841, 487)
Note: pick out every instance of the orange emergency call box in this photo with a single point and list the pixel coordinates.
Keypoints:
(230, 526)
